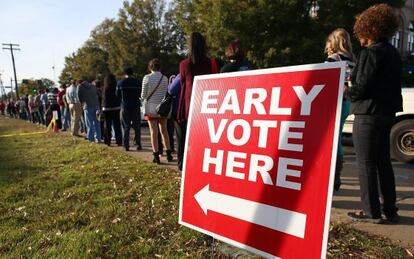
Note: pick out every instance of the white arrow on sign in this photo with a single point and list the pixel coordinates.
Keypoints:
(286, 221)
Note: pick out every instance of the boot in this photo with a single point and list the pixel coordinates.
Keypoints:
(156, 158)
(169, 156)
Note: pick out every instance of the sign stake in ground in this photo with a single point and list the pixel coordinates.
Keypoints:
(260, 158)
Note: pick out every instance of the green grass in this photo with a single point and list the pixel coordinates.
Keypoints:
(66, 198)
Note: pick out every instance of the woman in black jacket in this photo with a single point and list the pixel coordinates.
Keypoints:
(111, 107)
(375, 97)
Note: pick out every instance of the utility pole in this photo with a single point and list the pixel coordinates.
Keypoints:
(12, 47)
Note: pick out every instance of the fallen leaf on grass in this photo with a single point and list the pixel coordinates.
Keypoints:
(409, 253)
(114, 221)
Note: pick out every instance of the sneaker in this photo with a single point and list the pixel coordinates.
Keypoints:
(139, 147)
(362, 217)
(393, 219)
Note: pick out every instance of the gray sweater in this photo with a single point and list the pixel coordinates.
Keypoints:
(88, 96)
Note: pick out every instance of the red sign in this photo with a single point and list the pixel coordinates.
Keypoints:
(260, 158)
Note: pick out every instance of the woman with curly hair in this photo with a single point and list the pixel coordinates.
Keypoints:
(375, 97)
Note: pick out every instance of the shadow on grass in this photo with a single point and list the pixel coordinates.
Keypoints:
(15, 164)
(12, 172)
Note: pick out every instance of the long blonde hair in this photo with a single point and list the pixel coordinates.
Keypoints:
(339, 41)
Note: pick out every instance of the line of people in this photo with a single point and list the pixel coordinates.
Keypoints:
(373, 94)
(107, 111)
(37, 108)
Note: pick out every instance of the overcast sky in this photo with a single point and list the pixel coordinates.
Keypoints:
(47, 31)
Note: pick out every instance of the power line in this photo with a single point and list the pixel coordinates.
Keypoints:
(12, 47)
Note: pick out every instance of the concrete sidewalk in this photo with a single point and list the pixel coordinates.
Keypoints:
(347, 199)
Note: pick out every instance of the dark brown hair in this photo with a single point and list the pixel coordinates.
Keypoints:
(234, 51)
(154, 65)
(109, 82)
(378, 23)
(128, 71)
(197, 48)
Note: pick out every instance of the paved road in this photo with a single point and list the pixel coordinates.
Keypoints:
(347, 199)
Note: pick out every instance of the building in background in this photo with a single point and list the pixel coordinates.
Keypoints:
(403, 40)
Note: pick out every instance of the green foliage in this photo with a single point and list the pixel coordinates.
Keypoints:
(274, 33)
(143, 30)
(33, 86)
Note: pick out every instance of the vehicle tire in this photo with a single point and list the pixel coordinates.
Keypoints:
(402, 141)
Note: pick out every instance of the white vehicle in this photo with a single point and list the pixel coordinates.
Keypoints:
(402, 132)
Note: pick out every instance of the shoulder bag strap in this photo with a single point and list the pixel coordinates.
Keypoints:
(155, 89)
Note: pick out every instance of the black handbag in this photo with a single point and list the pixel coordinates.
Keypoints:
(165, 107)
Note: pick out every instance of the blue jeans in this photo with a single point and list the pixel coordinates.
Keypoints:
(66, 118)
(92, 124)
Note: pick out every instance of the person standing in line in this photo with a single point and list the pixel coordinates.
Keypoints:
(339, 48)
(174, 89)
(170, 121)
(2, 107)
(88, 96)
(21, 106)
(54, 106)
(111, 107)
(375, 97)
(154, 87)
(40, 108)
(235, 54)
(129, 91)
(8, 108)
(75, 108)
(28, 115)
(197, 63)
(65, 113)
(97, 83)
(34, 109)
(45, 102)
(17, 108)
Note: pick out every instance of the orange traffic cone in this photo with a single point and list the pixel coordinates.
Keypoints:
(55, 126)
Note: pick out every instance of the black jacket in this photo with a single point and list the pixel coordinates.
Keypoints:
(376, 81)
(235, 66)
(129, 90)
